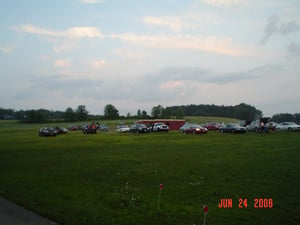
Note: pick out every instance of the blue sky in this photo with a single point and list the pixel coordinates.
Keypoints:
(138, 54)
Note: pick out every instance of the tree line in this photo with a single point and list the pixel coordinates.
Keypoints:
(242, 111)
(69, 115)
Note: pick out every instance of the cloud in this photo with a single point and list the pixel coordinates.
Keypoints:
(84, 32)
(171, 85)
(65, 39)
(130, 53)
(91, 1)
(98, 63)
(29, 28)
(62, 63)
(73, 32)
(221, 2)
(7, 49)
(172, 23)
(176, 76)
(293, 49)
(187, 21)
(273, 27)
(211, 44)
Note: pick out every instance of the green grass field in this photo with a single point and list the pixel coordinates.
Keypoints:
(110, 178)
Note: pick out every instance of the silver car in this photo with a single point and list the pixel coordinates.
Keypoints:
(123, 128)
(253, 126)
(288, 126)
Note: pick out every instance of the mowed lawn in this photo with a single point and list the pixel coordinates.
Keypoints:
(110, 178)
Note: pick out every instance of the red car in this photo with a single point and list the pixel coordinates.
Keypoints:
(212, 126)
(72, 127)
(194, 129)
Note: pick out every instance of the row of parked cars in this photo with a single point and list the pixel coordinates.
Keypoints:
(142, 128)
(259, 126)
(52, 131)
(262, 125)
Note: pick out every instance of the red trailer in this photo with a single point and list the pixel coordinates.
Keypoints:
(172, 123)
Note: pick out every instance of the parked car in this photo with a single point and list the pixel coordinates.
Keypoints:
(72, 127)
(288, 126)
(160, 127)
(232, 128)
(61, 130)
(123, 128)
(139, 128)
(103, 127)
(184, 126)
(253, 126)
(212, 125)
(47, 132)
(195, 129)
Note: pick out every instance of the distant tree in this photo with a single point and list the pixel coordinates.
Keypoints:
(139, 113)
(6, 114)
(37, 116)
(128, 115)
(297, 118)
(81, 113)
(179, 113)
(110, 112)
(144, 114)
(157, 111)
(20, 115)
(70, 115)
(166, 113)
(57, 115)
(284, 117)
(241, 111)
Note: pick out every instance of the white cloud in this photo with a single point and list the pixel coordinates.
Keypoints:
(171, 85)
(212, 44)
(84, 32)
(188, 21)
(129, 53)
(98, 63)
(7, 48)
(221, 2)
(172, 23)
(73, 32)
(62, 63)
(91, 1)
(218, 45)
(29, 28)
(65, 39)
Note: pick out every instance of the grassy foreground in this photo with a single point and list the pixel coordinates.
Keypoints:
(112, 178)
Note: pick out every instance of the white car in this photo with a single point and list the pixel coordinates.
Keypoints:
(288, 126)
(160, 127)
(123, 128)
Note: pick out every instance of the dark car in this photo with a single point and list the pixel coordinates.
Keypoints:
(47, 132)
(139, 128)
(194, 129)
(232, 128)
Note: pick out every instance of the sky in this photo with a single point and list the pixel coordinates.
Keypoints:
(136, 54)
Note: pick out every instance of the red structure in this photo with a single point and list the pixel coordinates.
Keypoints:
(172, 123)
